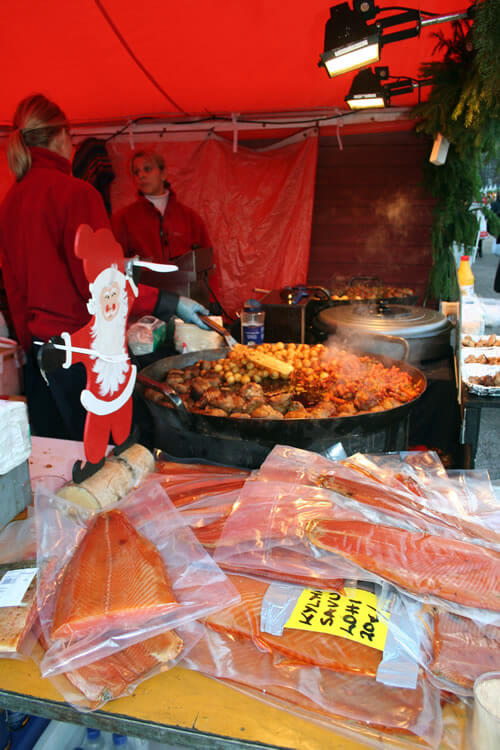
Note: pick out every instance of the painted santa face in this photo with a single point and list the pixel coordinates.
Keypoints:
(109, 300)
(148, 176)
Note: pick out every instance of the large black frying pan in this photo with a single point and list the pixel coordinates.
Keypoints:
(409, 299)
(312, 434)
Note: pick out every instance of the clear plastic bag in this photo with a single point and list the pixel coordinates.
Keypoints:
(462, 650)
(351, 704)
(463, 502)
(411, 488)
(357, 541)
(197, 584)
(265, 608)
(18, 540)
(186, 489)
(146, 335)
(91, 686)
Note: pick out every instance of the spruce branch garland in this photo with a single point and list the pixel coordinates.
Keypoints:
(464, 106)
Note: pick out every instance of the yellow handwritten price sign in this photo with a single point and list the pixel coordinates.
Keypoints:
(353, 616)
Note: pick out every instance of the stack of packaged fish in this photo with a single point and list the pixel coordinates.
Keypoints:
(360, 592)
(323, 537)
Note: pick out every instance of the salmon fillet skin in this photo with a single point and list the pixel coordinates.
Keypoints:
(453, 570)
(115, 578)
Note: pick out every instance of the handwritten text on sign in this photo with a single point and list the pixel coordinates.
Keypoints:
(352, 616)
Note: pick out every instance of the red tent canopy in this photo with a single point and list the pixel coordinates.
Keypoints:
(203, 58)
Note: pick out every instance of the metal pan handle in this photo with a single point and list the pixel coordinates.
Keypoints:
(399, 340)
(320, 292)
(370, 342)
(172, 395)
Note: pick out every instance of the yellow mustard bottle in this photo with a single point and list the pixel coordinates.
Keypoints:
(465, 277)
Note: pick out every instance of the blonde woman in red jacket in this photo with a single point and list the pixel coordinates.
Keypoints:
(46, 287)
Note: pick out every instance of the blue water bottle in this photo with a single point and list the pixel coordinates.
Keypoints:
(94, 740)
(252, 323)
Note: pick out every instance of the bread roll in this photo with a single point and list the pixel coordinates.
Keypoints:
(119, 475)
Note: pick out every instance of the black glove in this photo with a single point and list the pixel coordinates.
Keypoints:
(166, 305)
(49, 358)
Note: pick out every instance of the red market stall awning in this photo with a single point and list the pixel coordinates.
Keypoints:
(114, 60)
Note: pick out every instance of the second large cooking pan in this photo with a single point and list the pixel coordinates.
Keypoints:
(410, 298)
(312, 434)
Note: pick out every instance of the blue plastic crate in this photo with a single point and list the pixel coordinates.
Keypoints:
(25, 738)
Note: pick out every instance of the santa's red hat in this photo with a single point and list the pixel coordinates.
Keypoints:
(98, 250)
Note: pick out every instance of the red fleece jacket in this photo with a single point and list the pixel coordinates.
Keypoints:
(46, 287)
(142, 230)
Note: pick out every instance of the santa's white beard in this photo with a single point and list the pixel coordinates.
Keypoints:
(108, 337)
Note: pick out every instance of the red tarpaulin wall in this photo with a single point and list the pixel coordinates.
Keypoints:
(257, 206)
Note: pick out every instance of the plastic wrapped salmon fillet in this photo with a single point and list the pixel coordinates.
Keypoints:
(425, 499)
(335, 699)
(401, 647)
(365, 544)
(463, 500)
(297, 646)
(463, 649)
(111, 579)
(295, 566)
(454, 571)
(90, 687)
(173, 468)
(185, 493)
(115, 577)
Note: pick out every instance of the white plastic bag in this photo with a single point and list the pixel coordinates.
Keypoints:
(190, 338)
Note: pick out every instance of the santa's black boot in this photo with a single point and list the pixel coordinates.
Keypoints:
(80, 472)
(131, 440)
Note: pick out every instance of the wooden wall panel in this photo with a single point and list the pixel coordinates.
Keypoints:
(371, 216)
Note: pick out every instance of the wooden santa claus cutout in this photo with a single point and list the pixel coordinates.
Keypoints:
(101, 346)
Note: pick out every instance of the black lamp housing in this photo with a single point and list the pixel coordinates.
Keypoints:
(367, 90)
(351, 43)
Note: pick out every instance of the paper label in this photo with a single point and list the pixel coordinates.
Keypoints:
(353, 616)
(253, 334)
(14, 586)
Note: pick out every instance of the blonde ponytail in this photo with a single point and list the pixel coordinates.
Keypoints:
(18, 155)
(36, 121)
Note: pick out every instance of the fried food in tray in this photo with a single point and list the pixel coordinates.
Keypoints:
(322, 383)
(483, 380)
(480, 341)
(490, 381)
(365, 291)
(482, 359)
